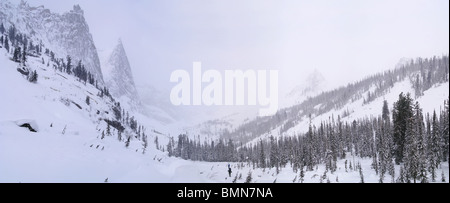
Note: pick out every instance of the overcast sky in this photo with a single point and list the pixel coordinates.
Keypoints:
(345, 40)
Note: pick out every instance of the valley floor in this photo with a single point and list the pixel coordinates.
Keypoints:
(52, 157)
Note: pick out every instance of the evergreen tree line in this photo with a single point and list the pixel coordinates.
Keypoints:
(418, 143)
(78, 70)
(18, 44)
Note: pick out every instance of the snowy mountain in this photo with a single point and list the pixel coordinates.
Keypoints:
(119, 77)
(58, 125)
(65, 34)
(311, 86)
(425, 79)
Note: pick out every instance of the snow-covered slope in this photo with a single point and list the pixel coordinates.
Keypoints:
(68, 145)
(119, 77)
(433, 99)
(65, 34)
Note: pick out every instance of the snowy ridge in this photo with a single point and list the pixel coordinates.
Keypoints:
(65, 34)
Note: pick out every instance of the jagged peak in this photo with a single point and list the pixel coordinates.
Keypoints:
(77, 9)
(23, 4)
(120, 49)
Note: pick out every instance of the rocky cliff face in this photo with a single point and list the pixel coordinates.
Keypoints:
(65, 34)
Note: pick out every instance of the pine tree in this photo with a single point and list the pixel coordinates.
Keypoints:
(302, 174)
(169, 148)
(156, 142)
(273, 158)
(433, 145)
(444, 137)
(24, 54)
(422, 153)
(88, 102)
(108, 129)
(249, 177)
(103, 135)
(418, 87)
(385, 112)
(6, 44)
(414, 153)
(402, 177)
(443, 176)
(33, 77)
(361, 175)
(12, 35)
(69, 65)
(262, 157)
(16, 55)
(119, 135)
(145, 142)
(127, 143)
(401, 116)
(385, 143)
(309, 148)
(2, 29)
(235, 178)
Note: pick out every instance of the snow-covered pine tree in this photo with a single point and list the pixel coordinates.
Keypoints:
(156, 142)
(16, 55)
(433, 145)
(235, 178)
(170, 147)
(401, 115)
(33, 77)
(443, 176)
(108, 129)
(144, 143)
(24, 55)
(422, 154)
(6, 44)
(414, 152)
(127, 143)
(249, 177)
(69, 65)
(262, 156)
(119, 135)
(2, 29)
(361, 175)
(309, 148)
(387, 142)
(273, 156)
(302, 175)
(444, 138)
